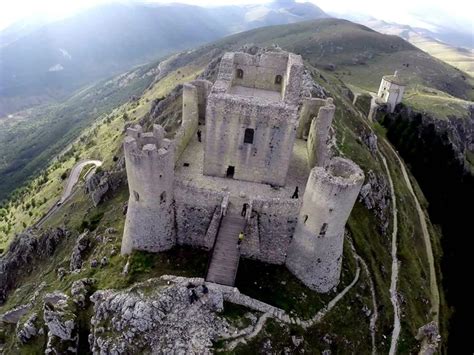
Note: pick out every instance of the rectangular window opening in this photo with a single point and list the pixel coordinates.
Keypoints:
(248, 136)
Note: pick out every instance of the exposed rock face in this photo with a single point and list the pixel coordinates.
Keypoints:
(429, 335)
(28, 329)
(375, 195)
(60, 319)
(80, 289)
(99, 185)
(156, 316)
(80, 248)
(23, 251)
(456, 131)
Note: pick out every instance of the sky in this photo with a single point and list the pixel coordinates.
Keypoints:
(459, 13)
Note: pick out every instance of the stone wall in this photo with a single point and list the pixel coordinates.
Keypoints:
(270, 229)
(267, 159)
(260, 71)
(309, 110)
(317, 144)
(196, 210)
(190, 119)
(315, 252)
(149, 158)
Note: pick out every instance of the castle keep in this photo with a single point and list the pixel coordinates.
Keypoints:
(259, 141)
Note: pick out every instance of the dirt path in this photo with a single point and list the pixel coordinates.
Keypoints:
(426, 237)
(395, 265)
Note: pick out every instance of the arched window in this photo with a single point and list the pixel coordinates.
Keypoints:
(136, 195)
(278, 79)
(323, 230)
(163, 197)
(240, 73)
(248, 136)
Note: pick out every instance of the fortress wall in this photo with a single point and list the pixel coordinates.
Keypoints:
(149, 224)
(309, 110)
(315, 252)
(190, 119)
(195, 214)
(203, 88)
(260, 71)
(318, 136)
(267, 159)
(276, 220)
(293, 80)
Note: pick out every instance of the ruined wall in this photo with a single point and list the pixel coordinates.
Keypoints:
(149, 160)
(317, 143)
(315, 252)
(309, 110)
(276, 225)
(260, 71)
(267, 159)
(196, 210)
(203, 89)
(190, 119)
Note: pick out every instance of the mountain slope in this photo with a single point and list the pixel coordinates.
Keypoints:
(51, 61)
(345, 329)
(352, 52)
(461, 58)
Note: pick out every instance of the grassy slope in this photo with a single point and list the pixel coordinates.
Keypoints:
(346, 323)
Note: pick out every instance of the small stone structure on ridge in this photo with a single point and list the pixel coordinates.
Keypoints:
(391, 90)
(259, 141)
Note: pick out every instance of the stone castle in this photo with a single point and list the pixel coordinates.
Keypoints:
(250, 139)
(391, 90)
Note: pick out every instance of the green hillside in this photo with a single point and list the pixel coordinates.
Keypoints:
(354, 53)
(346, 328)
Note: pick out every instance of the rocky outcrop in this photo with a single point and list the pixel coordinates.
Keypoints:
(102, 183)
(60, 319)
(25, 249)
(157, 316)
(27, 330)
(81, 247)
(375, 195)
(429, 337)
(80, 290)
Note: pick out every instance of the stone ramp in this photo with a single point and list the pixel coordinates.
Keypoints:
(225, 258)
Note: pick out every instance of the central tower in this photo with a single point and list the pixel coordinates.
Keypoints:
(252, 115)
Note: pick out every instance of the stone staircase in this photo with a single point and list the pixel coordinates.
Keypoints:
(225, 258)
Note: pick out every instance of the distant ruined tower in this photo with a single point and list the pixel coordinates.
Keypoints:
(149, 159)
(315, 252)
(391, 90)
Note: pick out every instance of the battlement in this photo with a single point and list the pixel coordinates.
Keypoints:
(138, 143)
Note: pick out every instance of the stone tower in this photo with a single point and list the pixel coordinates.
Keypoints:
(391, 90)
(252, 115)
(150, 220)
(315, 252)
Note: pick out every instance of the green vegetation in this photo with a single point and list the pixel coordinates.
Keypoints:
(347, 326)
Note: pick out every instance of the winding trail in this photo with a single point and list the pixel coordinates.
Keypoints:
(70, 183)
(434, 291)
(234, 296)
(395, 265)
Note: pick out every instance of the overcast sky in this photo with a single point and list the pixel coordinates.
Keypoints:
(459, 13)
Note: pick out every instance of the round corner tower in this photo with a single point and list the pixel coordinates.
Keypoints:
(315, 252)
(149, 159)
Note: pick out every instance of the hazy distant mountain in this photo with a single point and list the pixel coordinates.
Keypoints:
(461, 58)
(42, 62)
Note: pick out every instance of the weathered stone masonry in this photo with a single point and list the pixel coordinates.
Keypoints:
(253, 115)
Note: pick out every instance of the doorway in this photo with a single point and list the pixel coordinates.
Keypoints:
(230, 171)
